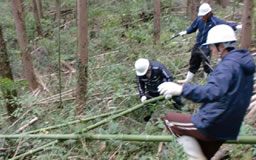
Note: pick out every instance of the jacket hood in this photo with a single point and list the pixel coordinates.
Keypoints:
(244, 58)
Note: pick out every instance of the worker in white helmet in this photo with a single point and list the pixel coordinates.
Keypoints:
(201, 54)
(225, 98)
(149, 75)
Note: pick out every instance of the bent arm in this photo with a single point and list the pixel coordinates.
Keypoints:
(217, 86)
(193, 27)
(141, 86)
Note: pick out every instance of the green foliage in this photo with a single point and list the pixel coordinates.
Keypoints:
(8, 85)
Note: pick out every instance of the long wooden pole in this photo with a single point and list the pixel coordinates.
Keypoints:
(123, 137)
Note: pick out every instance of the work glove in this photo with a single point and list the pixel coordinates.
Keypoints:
(143, 98)
(169, 89)
(182, 33)
(239, 26)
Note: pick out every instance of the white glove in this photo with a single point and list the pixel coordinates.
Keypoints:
(239, 26)
(169, 89)
(182, 33)
(143, 98)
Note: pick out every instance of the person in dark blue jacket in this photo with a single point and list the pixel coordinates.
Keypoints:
(203, 23)
(149, 75)
(225, 98)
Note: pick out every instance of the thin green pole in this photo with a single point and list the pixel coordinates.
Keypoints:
(34, 150)
(122, 137)
(243, 140)
(73, 122)
(120, 114)
(59, 57)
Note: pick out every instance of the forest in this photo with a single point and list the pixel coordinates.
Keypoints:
(68, 84)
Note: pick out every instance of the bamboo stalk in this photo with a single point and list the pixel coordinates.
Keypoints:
(243, 140)
(73, 122)
(122, 137)
(34, 150)
(120, 114)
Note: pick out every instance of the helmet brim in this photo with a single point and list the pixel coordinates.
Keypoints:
(141, 73)
(232, 40)
(202, 14)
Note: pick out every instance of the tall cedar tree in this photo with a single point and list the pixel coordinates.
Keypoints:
(223, 3)
(156, 21)
(192, 9)
(40, 9)
(18, 14)
(37, 18)
(246, 34)
(82, 79)
(58, 12)
(6, 72)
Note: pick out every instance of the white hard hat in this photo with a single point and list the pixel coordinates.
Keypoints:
(220, 34)
(141, 66)
(204, 9)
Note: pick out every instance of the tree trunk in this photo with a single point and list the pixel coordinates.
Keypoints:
(210, 2)
(156, 21)
(6, 72)
(223, 3)
(82, 69)
(57, 9)
(37, 19)
(246, 34)
(18, 14)
(193, 6)
(40, 9)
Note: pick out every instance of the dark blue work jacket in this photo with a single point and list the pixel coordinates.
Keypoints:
(225, 97)
(159, 74)
(205, 27)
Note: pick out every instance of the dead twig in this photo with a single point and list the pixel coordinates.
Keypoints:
(21, 141)
(27, 125)
(68, 66)
(160, 146)
(36, 92)
(21, 117)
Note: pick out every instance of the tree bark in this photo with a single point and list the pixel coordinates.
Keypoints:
(156, 21)
(223, 3)
(37, 18)
(40, 9)
(210, 2)
(246, 34)
(193, 6)
(6, 72)
(57, 9)
(18, 14)
(82, 79)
